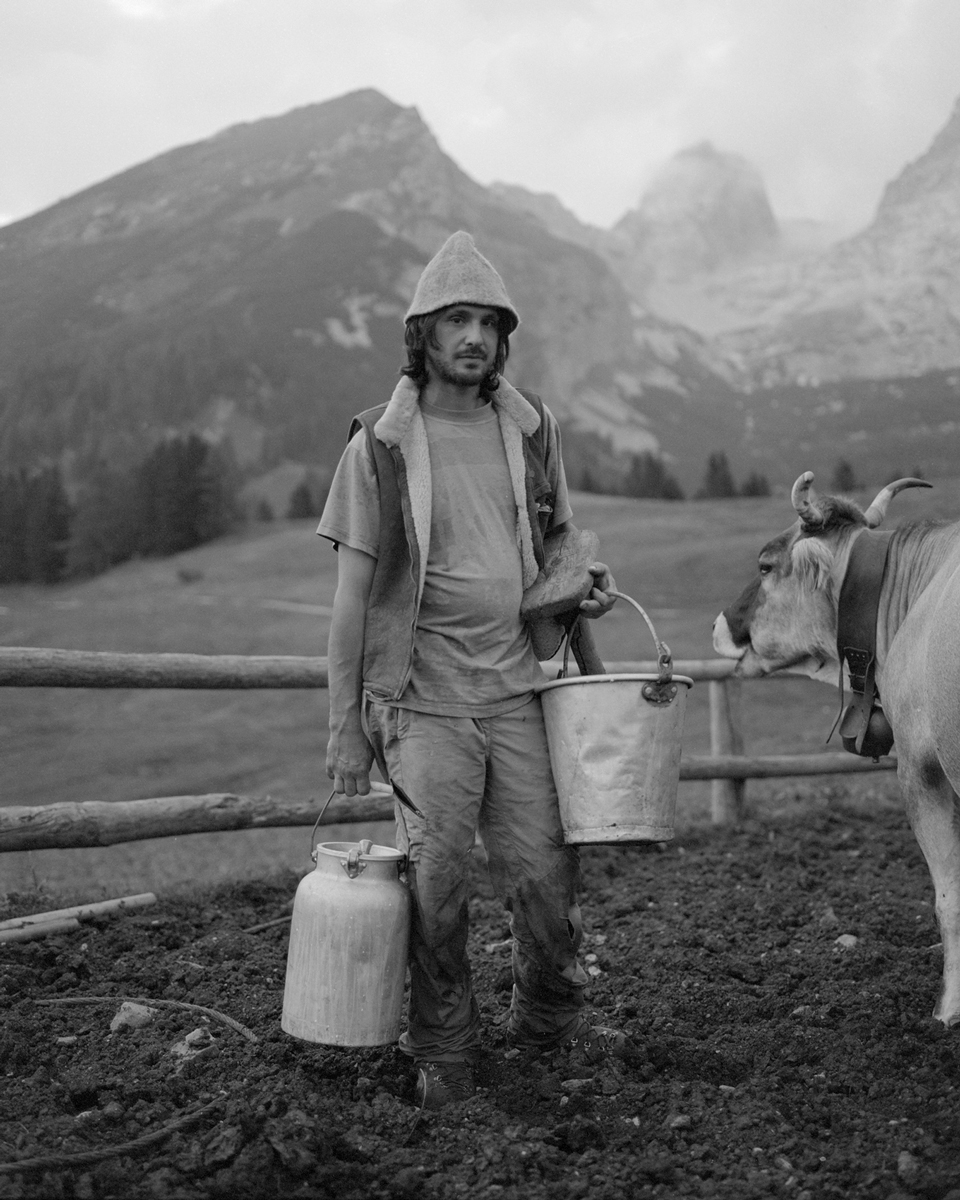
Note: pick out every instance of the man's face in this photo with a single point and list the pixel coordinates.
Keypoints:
(466, 337)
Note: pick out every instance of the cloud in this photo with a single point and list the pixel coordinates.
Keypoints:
(582, 98)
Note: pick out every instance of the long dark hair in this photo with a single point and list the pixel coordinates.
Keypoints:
(419, 333)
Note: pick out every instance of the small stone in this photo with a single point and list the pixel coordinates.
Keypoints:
(132, 1016)
(680, 1121)
(114, 1111)
(408, 1181)
(197, 1042)
(576, 1085)
(85, 1188)
(908, 1167)
(222, 1145)
(70, 1040)
(610, 1085)
(846, 941)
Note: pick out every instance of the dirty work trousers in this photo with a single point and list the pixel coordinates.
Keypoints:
(491, 774)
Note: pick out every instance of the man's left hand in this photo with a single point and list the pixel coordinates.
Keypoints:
(599, 601)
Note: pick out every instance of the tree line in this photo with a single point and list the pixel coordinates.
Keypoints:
(185, 492)
(647, 477)
(182, 493)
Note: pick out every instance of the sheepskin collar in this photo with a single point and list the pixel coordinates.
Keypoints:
(405, 403)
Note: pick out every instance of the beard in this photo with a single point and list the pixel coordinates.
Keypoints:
(464, 375)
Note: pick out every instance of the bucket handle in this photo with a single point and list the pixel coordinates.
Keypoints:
(664, 657)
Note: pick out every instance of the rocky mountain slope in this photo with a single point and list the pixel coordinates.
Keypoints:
(253, 286)
(836, 347)
(885, 302)
(786, 304)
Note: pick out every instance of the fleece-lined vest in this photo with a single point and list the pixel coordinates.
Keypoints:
(403, 475)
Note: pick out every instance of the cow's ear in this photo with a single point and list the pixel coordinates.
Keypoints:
(812, 560)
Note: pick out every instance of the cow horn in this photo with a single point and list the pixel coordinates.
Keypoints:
(804, 500)
(878, 509)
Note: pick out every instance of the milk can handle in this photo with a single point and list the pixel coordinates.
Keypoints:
(378, 788)
(664, 657)
(316, 824)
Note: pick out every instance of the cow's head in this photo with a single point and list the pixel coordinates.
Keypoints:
(786, 619)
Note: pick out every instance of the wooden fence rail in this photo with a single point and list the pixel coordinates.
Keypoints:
(100, 823)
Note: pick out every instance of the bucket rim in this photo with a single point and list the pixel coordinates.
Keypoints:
(617, 678)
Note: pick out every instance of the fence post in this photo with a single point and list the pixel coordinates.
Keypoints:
(727, 796)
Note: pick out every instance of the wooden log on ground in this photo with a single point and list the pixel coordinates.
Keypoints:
(103, 823)
(30, 933)
(82, 912)
(22, 666)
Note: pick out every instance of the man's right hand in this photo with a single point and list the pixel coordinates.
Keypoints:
(349, 759)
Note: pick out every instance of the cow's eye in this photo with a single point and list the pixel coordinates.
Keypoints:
(765, 568)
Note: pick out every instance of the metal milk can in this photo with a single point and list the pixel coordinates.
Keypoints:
(347, 957)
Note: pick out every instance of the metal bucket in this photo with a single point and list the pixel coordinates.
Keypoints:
(347, 957)
(615, 743)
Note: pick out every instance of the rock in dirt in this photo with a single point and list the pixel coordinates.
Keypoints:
(132, 1016)
(223, 1145)
(198, 1042)
(579, 1134)
(908, 1167)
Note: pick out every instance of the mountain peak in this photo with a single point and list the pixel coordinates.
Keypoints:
(703, 209)
(937, 171)
(324, 118)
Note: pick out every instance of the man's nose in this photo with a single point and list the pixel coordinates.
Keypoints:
(474, 333)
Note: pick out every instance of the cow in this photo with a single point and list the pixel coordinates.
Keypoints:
(787, 620)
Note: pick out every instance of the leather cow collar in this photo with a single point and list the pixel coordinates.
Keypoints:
(864, 729)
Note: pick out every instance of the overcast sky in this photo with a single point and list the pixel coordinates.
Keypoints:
(829, 99)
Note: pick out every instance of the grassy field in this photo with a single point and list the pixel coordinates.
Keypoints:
(269, 591)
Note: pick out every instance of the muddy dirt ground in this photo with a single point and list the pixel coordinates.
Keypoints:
(777, 982)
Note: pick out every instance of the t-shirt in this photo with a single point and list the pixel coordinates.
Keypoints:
(472, 653)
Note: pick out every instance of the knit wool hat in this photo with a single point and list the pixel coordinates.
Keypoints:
(459, 274)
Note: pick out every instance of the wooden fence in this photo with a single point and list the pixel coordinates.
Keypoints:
(101, 823)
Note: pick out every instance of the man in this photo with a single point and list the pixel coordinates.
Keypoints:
(438, 509)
